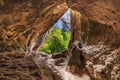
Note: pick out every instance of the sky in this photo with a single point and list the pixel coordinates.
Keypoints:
(64, 21)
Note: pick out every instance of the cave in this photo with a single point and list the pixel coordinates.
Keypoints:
(59, 37)
(94, 47)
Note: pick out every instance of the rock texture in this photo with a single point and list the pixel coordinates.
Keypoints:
(94, 47)
(95, 38)
(23, 24)
(18, 66)
(15, 66)
(103, 11)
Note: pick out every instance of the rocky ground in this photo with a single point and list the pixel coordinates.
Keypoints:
(41, 66)
(35, 66)
(18, 66)
(58, 63)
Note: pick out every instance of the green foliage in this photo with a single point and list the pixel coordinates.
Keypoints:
(57, 41)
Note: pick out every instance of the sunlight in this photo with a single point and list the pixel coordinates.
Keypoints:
(60, 35)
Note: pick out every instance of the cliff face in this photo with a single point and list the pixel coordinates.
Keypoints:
(95, 29)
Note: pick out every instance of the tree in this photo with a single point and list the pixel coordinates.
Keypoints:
(57, 41)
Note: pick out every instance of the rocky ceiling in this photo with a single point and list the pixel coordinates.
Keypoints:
(27, 22)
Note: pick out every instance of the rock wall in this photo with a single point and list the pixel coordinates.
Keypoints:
(103, 11)
(95, 40)
(95, 25)
(23, 23)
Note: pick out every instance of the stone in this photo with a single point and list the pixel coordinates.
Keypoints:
(95, 24)
(28, 23)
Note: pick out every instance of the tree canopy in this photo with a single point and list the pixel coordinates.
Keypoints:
(57, 41)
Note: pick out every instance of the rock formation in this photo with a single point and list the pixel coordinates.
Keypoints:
(96, 32)
(94, 47)
(24, 24)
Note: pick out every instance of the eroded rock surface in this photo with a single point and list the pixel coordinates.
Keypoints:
(25, 24)
(103, 11)
(94, 47)
(18, 66)
(91, 29)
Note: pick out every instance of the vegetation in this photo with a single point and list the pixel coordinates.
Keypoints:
(57, 41)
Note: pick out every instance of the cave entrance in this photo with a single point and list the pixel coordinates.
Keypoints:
(59, 37)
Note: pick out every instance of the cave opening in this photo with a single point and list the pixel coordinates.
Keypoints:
(59, 37)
